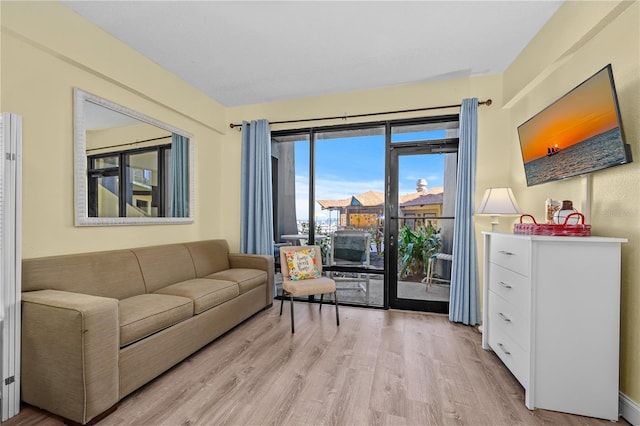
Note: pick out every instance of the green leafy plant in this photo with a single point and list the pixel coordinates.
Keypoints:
(416, 247)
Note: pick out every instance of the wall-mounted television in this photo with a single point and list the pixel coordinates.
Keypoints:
(579, 133)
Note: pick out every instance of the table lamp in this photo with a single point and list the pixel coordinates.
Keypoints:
(498, 202)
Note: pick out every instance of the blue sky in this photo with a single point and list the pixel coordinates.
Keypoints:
(351, 166)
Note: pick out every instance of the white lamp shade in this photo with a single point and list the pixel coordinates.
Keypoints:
(498, 201)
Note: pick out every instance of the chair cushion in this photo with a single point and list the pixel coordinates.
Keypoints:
(205, 293)
(302, 264)
(145, 314)
(247, 279)
(308, 287)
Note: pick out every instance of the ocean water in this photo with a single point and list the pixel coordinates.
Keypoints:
(598, 152)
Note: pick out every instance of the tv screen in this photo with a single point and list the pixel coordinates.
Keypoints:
(577, 134)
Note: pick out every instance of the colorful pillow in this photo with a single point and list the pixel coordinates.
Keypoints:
(302, 264)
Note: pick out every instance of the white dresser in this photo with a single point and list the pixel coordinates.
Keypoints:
(551, 312)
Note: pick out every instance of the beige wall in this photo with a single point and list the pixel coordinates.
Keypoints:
(47, 50)
(582, 38)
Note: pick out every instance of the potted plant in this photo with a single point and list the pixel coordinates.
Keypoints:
(415, 248)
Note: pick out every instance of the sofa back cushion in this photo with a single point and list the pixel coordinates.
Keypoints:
(114, 274)
(209, 256)
(164, 265)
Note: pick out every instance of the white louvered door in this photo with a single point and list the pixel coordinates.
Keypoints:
(10, 261)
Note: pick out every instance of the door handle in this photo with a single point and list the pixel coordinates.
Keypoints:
(504, 317)
(505, 285)
(506, 352)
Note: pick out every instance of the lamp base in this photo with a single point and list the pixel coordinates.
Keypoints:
(494, 223)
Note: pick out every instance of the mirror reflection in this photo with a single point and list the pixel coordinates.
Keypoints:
(129, 168)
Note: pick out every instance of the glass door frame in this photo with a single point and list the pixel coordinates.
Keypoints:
(391, 228)
(312, 133)
(431, 146)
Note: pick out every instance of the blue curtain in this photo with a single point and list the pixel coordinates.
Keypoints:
(464, 303)
(179, 176)
(256, 213)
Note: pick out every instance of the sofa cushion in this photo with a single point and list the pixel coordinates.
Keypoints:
(209, 256)
(114, 274)
(145, 314)
(205, 293)
(247, 279)
(165, 265)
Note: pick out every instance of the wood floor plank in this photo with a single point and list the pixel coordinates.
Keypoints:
(378, 368)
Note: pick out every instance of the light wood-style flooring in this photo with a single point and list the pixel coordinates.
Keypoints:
(378, 368)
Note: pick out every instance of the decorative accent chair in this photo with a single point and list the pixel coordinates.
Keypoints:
(302, 276)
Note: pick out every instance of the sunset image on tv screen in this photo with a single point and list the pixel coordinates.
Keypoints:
(577, 134)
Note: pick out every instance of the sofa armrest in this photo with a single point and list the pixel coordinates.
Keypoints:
(70, 347)
(256, 261)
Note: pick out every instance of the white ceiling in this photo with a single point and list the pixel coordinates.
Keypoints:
(247, 52)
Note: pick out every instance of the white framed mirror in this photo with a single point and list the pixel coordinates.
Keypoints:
(130, 169)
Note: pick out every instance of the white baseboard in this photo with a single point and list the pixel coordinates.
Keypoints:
(630, 410)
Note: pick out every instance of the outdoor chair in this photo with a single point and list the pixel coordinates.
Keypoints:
(432, 277)
(302, 276)
(276, 253)
(351, 248)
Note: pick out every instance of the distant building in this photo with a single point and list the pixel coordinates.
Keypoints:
(366, 210)
(418, 210)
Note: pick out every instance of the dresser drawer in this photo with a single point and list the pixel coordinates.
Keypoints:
(511, 319)
(511, 253)
(512, 355)
(513, 287)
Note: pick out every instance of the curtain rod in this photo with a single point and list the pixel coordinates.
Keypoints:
(129, 143)
(344, 117)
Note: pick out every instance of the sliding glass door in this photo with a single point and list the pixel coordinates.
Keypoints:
(363, 193)
(421, 232)
(329, 190)
(420, 207)
(349, 199)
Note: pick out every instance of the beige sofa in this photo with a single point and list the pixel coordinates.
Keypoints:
(97, 326)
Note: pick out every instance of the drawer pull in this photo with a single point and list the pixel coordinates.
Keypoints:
(506, 253)
(505, 285)
(506, 352)
(504, 317)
